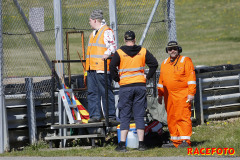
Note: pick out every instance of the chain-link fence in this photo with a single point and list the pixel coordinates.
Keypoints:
(24, 58)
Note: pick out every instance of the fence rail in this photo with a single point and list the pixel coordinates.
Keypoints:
(216, 102)
(218, 94)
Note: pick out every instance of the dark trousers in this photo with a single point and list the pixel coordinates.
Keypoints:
(132, 101)
(96, 92)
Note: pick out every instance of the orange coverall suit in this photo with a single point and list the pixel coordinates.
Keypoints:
(178, 80)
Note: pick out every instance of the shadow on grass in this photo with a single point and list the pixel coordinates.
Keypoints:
(197, 143)
(153, 139)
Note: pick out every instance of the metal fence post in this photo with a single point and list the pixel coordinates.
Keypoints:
(1, 86)
(58, 36)
(149, 22)
(53, 92)
(113, 19)
(106, 93)
(113, 25)
(201, 101)
(172, 34)
(60, 116)
(239, 82)
(4, 139)
(31, 111)
(155, 85)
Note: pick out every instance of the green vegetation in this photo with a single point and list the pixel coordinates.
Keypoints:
(214, 134)
(208, 30)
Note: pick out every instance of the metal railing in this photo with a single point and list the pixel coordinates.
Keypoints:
(218, 94)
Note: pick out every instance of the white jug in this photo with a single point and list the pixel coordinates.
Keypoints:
(132, 139)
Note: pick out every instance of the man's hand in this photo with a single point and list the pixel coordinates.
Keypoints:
(190, 99)
(145, 76)
(104, 57)
(160, 99)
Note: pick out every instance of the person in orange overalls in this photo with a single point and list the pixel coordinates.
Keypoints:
(177, 84)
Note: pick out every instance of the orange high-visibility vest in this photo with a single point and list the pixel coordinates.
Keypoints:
(95, 51)
(131, 69)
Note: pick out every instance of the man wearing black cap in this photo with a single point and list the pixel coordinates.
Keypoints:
(177, 84)
(101, 45)
(127, 68)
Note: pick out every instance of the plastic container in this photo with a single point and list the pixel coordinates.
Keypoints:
(132, 137)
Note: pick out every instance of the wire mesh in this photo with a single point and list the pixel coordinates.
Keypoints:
(23, 58)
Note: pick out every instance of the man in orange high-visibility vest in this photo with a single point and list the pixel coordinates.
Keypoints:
(177, 83)
(101, 45)
(127, 68)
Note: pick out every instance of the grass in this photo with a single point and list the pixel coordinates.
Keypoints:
(214, 134)
(208, 30)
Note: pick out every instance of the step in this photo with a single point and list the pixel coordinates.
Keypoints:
(86, 125)
(73, 137)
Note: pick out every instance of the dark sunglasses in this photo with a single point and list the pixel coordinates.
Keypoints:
(172, 48)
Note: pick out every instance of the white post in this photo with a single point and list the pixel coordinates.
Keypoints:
(113, 19)
(31, 113)
(149, 22)
(58, 36)
(4, 139)
(172, 34)
(113, 25)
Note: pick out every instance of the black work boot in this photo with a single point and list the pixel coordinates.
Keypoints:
(184, 144)
(168, 145)
(121, 147)
(142, 146)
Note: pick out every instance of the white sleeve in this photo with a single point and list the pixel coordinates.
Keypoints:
(109, 40)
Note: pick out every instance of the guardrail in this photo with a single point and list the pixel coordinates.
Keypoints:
(217, 97)
(218, 94)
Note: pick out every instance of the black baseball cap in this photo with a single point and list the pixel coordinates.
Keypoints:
(129, 35)
(172, 44)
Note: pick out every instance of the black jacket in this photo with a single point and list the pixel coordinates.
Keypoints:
(151, 62)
